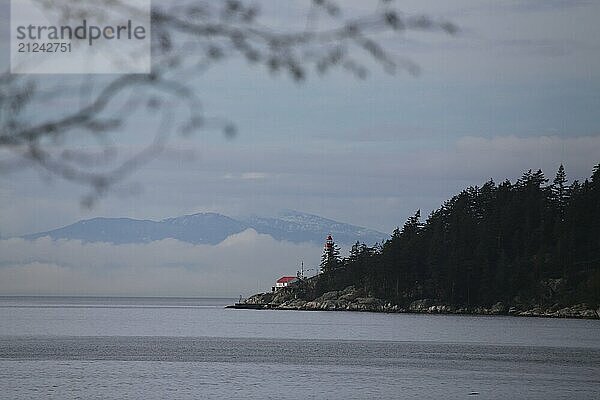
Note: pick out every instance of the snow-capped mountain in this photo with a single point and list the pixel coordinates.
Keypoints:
(296, 226)
(212, 228)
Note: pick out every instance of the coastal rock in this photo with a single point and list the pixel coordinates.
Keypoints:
(532, 312)
(333, 295)
(588, 314)
(283, 295)
(420, 305)
(295, 304)
(330, 305)
(311, 305)
(392, 308)
(373, 306)
(554, 308)
(434, 309)
(577, 311)
(441, 309)
(352, 299)
(361, 304)
(349, 294)
(348, 299)
(260, 298)
(498, 309)
(369, 301)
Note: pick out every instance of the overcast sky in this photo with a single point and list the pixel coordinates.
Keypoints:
(517, 89)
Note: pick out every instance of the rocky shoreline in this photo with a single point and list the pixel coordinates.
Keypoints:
(351, 299)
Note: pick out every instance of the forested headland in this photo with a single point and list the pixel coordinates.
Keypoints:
(530, 243)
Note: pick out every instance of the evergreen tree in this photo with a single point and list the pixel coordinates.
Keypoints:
(560, 192)
(487, 244)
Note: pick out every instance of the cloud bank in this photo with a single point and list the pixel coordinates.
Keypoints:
(243, 263)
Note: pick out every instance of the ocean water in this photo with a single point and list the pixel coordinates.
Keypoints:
(164, 348)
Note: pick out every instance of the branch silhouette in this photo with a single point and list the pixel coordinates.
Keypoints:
(187, 39)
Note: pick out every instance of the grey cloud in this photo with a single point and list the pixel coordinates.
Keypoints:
(377, 187)
(546, 5)
(504, 155)
(541, 47)
(242, 264)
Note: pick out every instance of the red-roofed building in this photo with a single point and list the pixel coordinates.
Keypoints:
(285, 281)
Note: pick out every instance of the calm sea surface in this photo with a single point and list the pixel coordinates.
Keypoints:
(163, 348)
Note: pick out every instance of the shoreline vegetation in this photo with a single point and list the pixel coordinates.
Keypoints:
(528, 248)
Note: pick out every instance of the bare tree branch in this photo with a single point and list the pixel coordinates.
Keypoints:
(187, 39)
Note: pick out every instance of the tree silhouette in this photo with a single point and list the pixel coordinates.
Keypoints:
(508, 243)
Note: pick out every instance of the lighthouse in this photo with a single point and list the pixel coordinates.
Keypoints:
(330, 258)
(328, 249)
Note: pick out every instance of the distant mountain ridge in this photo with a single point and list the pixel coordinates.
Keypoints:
(212, 228)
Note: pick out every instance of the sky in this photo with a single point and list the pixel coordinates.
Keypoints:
(517, 88)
